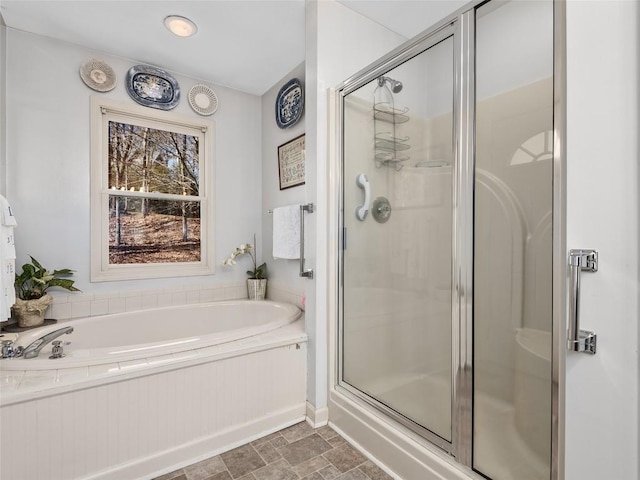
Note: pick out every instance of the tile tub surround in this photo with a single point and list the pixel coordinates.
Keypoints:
(69, 306)
(297, 452)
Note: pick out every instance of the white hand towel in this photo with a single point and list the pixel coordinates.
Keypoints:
(286, 232)
(7, 259)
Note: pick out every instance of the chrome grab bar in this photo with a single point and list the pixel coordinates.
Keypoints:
(304, 208)
(579, 340)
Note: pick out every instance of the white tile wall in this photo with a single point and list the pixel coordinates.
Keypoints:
(69, 306)
(281, 293)
(99, 307)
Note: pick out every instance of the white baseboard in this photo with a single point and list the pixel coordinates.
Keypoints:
(317, 417)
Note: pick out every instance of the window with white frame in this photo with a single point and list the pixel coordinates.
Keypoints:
(151, 193)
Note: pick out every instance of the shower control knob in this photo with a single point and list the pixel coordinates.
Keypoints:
(381, 210)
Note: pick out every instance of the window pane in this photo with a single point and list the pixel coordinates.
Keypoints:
(151, 160)
(144, 230)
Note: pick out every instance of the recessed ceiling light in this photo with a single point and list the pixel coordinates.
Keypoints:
(180, 26)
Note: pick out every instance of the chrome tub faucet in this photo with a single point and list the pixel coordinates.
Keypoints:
(33, 350)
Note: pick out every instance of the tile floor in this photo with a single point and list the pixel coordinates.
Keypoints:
(297, 452)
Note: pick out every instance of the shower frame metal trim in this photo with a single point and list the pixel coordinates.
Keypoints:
(463, 214)
(559, 235)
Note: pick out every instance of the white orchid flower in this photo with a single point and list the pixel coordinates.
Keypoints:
(247, 249)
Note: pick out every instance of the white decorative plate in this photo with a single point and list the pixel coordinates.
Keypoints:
(98, 76)
(203, 100)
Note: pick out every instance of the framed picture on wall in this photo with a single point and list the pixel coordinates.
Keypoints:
(291, 163)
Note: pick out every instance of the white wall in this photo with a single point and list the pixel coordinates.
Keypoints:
(602, 213)
(3, 97)
(47, 112)
(340, 42)
(283, 274)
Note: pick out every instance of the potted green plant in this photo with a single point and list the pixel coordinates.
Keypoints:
(257, 281)
(31, 292)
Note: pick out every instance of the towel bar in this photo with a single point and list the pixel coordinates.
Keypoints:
(304, 208)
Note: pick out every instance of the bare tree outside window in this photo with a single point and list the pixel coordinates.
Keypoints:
(149, 169)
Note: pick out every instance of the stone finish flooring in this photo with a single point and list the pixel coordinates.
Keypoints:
(297, 452)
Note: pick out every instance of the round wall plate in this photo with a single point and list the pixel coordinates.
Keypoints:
(98, 76)
(203, 99)
(289, 103)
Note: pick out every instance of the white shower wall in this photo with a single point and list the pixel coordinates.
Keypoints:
(404, 259)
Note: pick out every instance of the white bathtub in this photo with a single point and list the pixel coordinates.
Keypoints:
(144, 393)
(154, 333)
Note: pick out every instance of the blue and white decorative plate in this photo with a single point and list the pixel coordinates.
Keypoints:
(152, 87)
(289, 104)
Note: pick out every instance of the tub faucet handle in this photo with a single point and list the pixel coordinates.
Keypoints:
(8, 351)
(58, 349)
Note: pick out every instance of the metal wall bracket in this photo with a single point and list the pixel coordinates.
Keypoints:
(580, 260)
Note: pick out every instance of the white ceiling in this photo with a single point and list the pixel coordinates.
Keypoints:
(248, 45)
(405, 17)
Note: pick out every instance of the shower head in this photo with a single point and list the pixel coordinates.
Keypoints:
(395, 85)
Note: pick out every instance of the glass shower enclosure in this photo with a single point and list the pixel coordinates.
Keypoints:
(446, 247)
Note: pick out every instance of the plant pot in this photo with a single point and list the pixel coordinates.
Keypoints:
(256, 288)
(30, 313)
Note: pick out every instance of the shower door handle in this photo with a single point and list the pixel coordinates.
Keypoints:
(579, 340)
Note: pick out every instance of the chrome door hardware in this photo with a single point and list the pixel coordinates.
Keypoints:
(309, 209)
(580, 260)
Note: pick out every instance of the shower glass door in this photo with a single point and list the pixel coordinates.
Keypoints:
(397, 243)
(446, 270)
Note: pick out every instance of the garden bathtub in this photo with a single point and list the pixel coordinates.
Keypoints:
(152, 333)
(144, 393)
